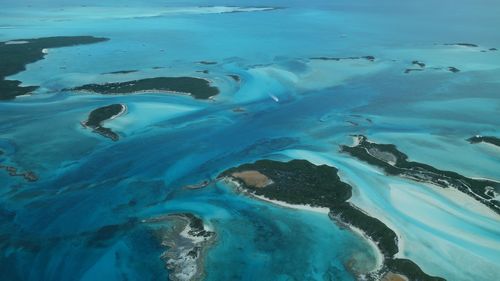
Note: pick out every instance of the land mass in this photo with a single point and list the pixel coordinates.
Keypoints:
(15, 55)
(300, 182)
(122, 72)
(462, 44)
(101, 114)
(13, 171)
(408, 70)
(207, 62)
(419, 63)
(395, 162)
(370, 58)
(235, 77)
(197, 87)
(487, 139)
(186, 241)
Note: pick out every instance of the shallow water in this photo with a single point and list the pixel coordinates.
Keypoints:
(50, 228)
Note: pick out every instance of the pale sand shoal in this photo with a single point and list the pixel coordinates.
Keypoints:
(390, 276)
(304, 207)
(253, 178)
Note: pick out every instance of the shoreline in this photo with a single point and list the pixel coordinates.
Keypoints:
(239, 187)
(199, 88)
(479, 190)
(19, 53)
(379, 257)
(187, 242)
(460, 198)
(321, 210)
(95, 121)
(122, 112)
(321, 185)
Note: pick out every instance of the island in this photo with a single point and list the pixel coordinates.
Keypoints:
(101, 114)
(395, 162)
(196, 87)
(462, 44)
(207, 62)
(235, 77)
(408, 70)
(486, 139)
(16, 54)
(187, 241)
(422, 68)
(419, 63)
(122, 71)
(369, 58)
(301, 183)
(13, 171)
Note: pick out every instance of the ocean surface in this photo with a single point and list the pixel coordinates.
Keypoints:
(82, 219)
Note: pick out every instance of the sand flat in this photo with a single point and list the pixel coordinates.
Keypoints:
(253, 178)
(390, 276)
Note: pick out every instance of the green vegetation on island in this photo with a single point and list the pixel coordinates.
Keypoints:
(16, 54)
(301, 182)
(101, 114)
(369, 58)
(462, 44)
(187, 241)
(394, 162)
(235, 77)
(13, 171)
(298, 182)
(122, 72)
(197, 87)
(487, 139)
(207, 62)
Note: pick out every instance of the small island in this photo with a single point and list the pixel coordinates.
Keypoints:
(422, 68)
(197, 87)
(207, 62)
(235, 77)
(419, 63)
(486, 139)
(303, 184)
(13, 171)
(187, 241)
(15, 55)
(369, 58)
(101, 114)
(395, 162)
(122, 71)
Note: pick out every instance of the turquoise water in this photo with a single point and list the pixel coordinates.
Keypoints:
(50, 229)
